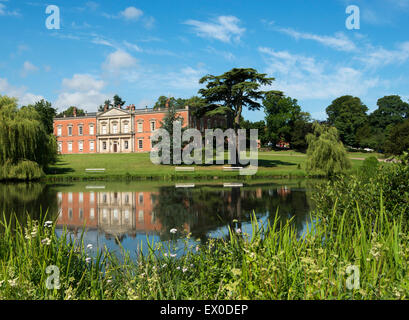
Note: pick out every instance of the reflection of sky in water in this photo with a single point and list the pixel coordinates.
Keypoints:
(178, 246)
(139, 217)
(132, 245)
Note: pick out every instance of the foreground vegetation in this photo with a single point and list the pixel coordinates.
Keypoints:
(366, 227)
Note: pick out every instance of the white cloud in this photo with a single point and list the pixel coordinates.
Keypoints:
(145, 102)
(149, 22)
(376, 57)
(223, 28)
(101, 41)
(339, 42)
(183, 81)
(400, 3)
(28, 68)
(83, 82)
(24, 97)
(118, 60)
(89, 100)
(225, 54)
(303, 77)
(132, 46)
(83, 91)
(5, 12)
(131, 13)
(21, 48)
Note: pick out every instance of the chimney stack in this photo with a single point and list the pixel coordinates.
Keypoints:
(75, 111)
(167, 103)
(105, 107)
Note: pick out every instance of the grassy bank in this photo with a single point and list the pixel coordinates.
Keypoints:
(139, 166)
(274, 266)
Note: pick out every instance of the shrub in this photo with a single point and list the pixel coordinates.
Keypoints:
(24, 170)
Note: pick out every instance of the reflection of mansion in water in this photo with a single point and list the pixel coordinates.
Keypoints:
(114, 213)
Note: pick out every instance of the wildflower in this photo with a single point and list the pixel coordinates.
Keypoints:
(89, 246)
(177, 268)
(173, 230)
(238, 230)
(48, 224)
(184, 269)
(46, 241)
(197, 248)
(165, 254)
(164, 265)
(13, 282)
(88, 260)
(173, 255)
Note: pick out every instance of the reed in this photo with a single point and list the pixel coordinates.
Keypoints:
(272, 263)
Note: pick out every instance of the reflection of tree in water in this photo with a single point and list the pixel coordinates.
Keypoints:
(28, 198)
(207, 209)
(292, 205)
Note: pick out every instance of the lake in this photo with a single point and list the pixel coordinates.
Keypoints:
(130, 214)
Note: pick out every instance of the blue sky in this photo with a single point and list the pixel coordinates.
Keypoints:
(144, 49)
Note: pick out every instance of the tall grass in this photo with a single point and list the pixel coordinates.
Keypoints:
(272, 263)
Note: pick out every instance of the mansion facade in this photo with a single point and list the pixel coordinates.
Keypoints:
(118, 130)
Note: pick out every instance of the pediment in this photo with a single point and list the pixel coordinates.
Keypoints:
(114, 112)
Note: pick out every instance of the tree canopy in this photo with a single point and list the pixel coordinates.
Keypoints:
(391, 111)
(326, 154)
(25, 145)
(281, 114)
(347, 114)
(47, 114)
(229, 93)
(70, 112)
(398, 140)
(118, 102)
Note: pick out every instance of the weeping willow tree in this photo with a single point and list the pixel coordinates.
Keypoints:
(26, 148)
(326, 154)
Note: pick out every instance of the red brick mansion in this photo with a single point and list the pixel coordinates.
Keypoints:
(118, 130)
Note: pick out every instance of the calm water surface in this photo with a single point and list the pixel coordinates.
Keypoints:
(130, 214)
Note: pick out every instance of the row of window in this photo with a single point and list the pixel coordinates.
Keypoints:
(80, 213)
(114, 213)
(80, 130)
(125, 128)
(80, 146)
(104, 197)
(104, 128)
(92, 145)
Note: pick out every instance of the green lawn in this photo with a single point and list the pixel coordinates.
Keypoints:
(138, 165)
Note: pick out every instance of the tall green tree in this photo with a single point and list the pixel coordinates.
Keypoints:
(47, 114)
(25, 143)
(281, 114)
(258, 125)
(391, 111)
(326, 154)
(118, 102)
(178, 103)
(398, 140)
(302, 126)
(347, 114)
(70, 112)
(167, 124)
(228, 94)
